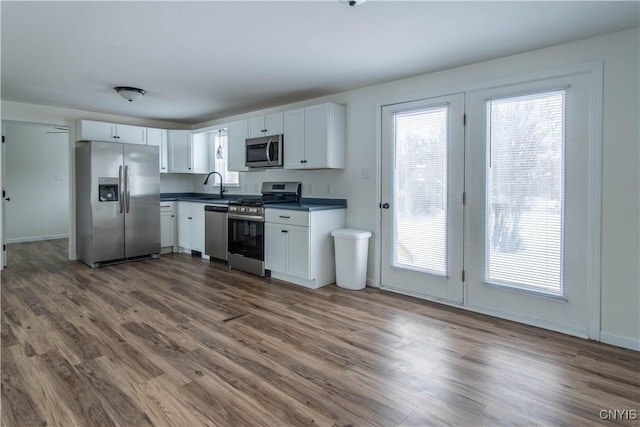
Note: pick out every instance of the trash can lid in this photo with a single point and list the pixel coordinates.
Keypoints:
(349, 233)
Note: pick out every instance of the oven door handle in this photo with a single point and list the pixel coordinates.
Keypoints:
(258, 218)
(268, 150)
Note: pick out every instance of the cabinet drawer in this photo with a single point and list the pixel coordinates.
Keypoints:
(166, 207)
(285, 216)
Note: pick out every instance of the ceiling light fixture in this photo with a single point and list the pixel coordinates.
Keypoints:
(130, 93)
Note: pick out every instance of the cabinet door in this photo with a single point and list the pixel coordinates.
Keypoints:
(180, 151)
(294, 139)
(275, 249)
(128, 134)
(317, 136)
(185, 239)
(256, 127)
(166, 229)
(88, 130)
(202, 161)
(236, 146)
(197, 228)
(158, 137)
(273, 124)
(298, 251)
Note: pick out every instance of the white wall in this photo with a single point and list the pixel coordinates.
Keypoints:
(176, 183)
(620, 321)
(21, 112)
(37, 182)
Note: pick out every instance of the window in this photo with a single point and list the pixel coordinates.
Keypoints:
(221, 157)
(420, 190)
(525, 191)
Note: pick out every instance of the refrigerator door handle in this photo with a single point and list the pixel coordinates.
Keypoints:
(126, 187)
(121, 188)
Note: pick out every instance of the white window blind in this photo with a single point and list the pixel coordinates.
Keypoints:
(420, 190)
(525, 192)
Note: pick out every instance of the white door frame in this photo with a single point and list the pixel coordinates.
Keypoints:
(596, 70)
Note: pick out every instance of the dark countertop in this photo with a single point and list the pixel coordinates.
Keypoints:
(311, 204)
(306, 203)
(208, 198)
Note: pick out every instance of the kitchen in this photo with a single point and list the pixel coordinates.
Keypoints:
(359, 181)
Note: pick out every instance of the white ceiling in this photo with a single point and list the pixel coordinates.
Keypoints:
(209, 59)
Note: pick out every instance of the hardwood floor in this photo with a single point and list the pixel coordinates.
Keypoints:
(182, 342)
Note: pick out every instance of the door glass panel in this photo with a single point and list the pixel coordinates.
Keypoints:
(525, 192)
(420, 190)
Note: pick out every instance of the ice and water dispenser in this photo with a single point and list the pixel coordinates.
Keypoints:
(108, 189)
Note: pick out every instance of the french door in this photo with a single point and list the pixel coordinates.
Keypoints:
(500, 215)
(422, 188)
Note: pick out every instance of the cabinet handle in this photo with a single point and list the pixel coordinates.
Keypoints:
(173, 216)
(285, 217)
(284, 231)
(189, 217)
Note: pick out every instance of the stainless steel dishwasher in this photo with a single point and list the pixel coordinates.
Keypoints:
(215, 231)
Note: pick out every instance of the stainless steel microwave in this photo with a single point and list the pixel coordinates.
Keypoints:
(264, 152)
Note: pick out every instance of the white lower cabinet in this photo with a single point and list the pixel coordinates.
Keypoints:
(299, 246)
(191, 227)
(167, 227)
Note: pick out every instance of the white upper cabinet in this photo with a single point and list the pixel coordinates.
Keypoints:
(158, 137)
(202, 158)
(314, 137)
(271, 124)
(131, 134)
(294, 140)
(180, 157)
(89, 130)
(236, 146)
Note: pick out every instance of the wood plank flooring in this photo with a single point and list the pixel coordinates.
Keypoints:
(180, 341)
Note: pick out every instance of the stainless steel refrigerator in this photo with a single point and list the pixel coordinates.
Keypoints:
(117, 202)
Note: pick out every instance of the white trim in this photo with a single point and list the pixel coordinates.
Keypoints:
(620, 341)
(594, 238)
(490, 84)
(37, 238)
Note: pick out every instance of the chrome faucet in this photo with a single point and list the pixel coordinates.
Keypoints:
(222, 190)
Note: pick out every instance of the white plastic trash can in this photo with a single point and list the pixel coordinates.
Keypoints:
(352, 247)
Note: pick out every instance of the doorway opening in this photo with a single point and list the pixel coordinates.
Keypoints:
(35, 185)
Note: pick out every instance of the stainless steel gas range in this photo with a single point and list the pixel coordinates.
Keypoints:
(246, 225)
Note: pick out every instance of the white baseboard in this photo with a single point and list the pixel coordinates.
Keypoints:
(620, 341)
(36, 238)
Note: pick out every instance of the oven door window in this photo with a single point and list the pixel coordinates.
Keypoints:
(246, 238)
